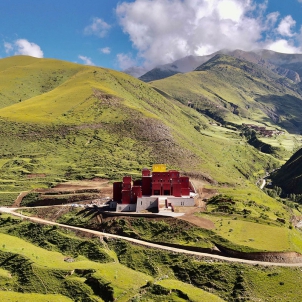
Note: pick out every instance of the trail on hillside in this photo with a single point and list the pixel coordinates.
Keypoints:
(148, 244)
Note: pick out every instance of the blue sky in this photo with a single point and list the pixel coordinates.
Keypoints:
(121, 34)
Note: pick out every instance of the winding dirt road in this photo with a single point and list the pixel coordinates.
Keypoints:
(147, 244)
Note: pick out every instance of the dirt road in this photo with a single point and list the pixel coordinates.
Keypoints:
(148, 244)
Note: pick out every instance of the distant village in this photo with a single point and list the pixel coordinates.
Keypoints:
(263, 131)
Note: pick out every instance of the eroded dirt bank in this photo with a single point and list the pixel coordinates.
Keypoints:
(280, 257)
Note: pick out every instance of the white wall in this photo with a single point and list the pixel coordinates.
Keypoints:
(181, 202)
(126, 208)
(146, 203)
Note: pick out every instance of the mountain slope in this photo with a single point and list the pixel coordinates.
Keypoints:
(23, 77)
(235, 90)
(103, 123)
(289, 177)
(96, 122)
(288, 61)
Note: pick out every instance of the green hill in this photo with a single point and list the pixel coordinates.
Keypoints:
(24, 77)
(99, 122)
(40, 263)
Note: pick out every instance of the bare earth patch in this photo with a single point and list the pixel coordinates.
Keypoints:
(103, 185)
(198, 221)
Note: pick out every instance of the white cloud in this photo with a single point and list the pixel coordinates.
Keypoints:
(106, 50)
(271, 20)
(98, 27)
(8, 47)
(285, 26)
(125, 61)
(165, 30)
(86, 60)
(230, 9)
(283, 46)
(23, 47)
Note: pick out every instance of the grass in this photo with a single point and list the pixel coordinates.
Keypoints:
(7, 198)
(4, 274)
(242, 232)
(41, 256)
(192, 292)
(19, 297)
(91, 116)
(254, 235)
(55, 261)
(278, 283)
(150, 274)
(288, 141)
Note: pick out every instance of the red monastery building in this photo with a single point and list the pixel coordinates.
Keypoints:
(155, 189)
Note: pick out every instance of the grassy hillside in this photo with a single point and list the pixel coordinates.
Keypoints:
(24, 77)
(238, 91)
(84, 122)
(244, 227)
(35, 265)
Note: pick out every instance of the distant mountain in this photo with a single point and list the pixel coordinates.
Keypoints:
(271, 60)
(286, 65)
(287, 61)
(227, 88)
(136, 71)
(182, 65)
